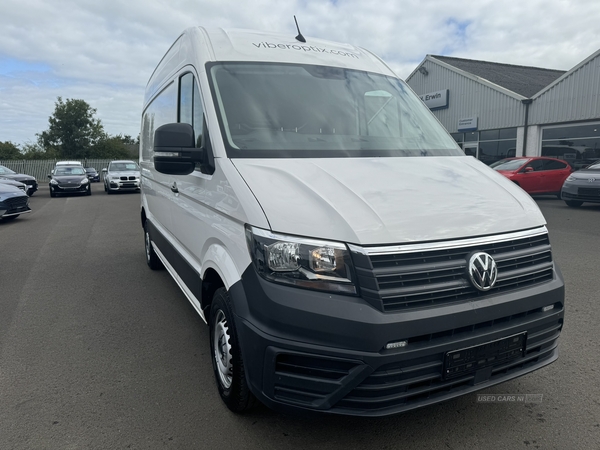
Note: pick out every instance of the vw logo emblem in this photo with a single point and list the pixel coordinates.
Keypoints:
(483, 271)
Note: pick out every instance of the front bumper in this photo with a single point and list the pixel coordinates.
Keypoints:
(14, 206)
(123, 185)
(70, 189)
(582, 191)
(313, 351)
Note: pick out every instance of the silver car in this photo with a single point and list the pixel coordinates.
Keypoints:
(582, 186)
(120, 176)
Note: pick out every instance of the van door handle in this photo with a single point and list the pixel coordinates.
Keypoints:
(174, 187)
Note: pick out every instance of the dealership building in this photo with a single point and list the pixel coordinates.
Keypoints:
(497, 110)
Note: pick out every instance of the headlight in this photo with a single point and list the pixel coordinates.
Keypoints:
(85, 181)
(53, 181)
(307, 263)
(571, 178)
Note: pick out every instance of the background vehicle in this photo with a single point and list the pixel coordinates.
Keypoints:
(535, 175)
(92, 174)
(122, 175)
(69, 180)
(14, 183)
(30, 181)
(13, 202)
(582, 186)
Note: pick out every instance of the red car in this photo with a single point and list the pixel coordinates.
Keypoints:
(535, 175)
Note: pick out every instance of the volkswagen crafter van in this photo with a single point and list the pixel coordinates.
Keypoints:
(345, 253)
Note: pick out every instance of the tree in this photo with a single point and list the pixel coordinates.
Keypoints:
(8, 150)
(110, 147)
(73, 130)
(37, 151)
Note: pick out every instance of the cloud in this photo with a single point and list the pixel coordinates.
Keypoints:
(104, 52)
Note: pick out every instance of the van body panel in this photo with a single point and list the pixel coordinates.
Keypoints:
(387, 200)
(209, 212)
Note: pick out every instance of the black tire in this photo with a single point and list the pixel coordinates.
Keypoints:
(226, 356)
(89, 191)
(52, 194)
(30, 192)
(151, 257)
(105, 188)
(573, 203)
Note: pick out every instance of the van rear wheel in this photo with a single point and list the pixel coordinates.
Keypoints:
(228, 365)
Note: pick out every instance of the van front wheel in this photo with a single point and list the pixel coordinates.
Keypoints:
(228, 365)
(151, 257)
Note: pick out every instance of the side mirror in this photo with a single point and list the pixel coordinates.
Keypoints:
(528, 169)
(175, 152)
(104, 170)
(49, 176)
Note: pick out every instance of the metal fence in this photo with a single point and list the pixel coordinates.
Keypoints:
(41, 168)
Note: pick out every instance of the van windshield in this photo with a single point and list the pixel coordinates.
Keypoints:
(286, 110)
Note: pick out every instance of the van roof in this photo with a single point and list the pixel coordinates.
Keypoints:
(198, 45)
(250, 45)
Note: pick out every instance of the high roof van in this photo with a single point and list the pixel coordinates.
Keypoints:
(347, 256)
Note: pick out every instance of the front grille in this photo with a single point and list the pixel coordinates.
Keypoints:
(127, 178)
(16, 204)
(128, 185)
(308, 380)
(29, 182)
(589, 192)
(398, 280)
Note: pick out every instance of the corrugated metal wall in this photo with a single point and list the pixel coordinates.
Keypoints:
(468, 98)
(577, 97)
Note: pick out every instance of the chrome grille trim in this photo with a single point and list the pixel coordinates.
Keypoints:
(433, 246)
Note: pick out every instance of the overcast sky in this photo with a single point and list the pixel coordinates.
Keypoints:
(104, 51)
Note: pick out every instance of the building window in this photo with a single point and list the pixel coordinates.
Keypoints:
(579, 145)
(495, 145)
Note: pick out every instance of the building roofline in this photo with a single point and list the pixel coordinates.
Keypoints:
(567, 74)
(476, 78)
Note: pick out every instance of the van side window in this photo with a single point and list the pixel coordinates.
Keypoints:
(186, 84)
(162, 110)
(190, 105)
(198, 122)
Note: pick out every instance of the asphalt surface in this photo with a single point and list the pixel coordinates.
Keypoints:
(99, 352)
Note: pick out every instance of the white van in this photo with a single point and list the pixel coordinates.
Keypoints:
(346, 254)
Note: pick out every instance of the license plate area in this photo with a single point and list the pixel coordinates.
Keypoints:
(471, 359)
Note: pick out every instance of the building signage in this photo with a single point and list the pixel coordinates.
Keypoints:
(467, 124)
(436, 100)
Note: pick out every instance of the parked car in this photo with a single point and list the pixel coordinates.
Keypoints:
(582, 186)
(92, 174)
(30, 181)
(121, 176)
(69, 180)
(13, 202)
(535, 175)
(14, 183)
